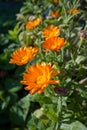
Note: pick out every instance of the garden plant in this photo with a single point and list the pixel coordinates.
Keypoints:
(43, 67)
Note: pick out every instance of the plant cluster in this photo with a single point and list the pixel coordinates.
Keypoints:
(44, 67)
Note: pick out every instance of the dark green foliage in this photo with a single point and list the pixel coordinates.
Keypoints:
(50, 110)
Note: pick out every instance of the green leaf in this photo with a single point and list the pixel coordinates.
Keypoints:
(14, 33)
(80, 59)
(83, 91)
(73, 126)
(50, 128)
(35, 124)
(38, 113)
(19, 111)
(12, 85)
(42, 99)
(50, 113)
(4, 61)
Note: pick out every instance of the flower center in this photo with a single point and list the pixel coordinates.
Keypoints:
(24, 59)
(41, 79)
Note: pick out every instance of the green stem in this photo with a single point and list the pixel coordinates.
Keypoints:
(59, 112)
(62, 54)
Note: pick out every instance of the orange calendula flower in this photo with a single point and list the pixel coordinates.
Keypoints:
(51, 31)
(55, 14)
(55, 1)
(54, 43)
(23, 55)
(34, 23)
(38, 77)
(74, 11)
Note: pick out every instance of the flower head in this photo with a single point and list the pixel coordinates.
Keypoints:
(38, 77)
(61, 90)
(55, 1)
(51, 31)
(23, 55)
(74, 11)
(34, 23)
(55, 14)
(54, 43)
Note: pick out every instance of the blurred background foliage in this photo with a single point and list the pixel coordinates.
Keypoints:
(22, 111)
